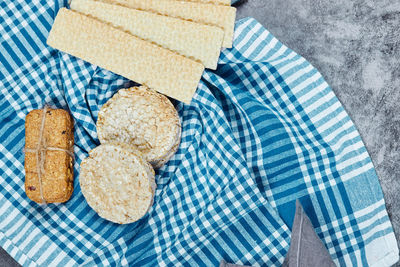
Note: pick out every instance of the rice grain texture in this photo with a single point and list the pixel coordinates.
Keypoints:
(117, 183)
(143, 118)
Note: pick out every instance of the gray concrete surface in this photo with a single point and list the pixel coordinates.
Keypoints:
(355, 44)
(6, 260)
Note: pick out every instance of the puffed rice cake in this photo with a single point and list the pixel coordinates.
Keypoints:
(143, 118)
(117, 182)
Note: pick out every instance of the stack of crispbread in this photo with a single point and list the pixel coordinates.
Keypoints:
(163, 44)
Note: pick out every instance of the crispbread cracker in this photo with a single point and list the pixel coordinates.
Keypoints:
(143, 118)
(216, 2)
(217, 15)
(194, 40)
(125, 54)
(117, 183)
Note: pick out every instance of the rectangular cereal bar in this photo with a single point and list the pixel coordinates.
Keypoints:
(210, 14)
(49, 141)
(193, 40)
(125, 54)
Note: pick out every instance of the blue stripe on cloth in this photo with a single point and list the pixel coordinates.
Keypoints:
(262, 130)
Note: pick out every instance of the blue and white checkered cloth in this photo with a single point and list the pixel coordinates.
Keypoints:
(263, 130)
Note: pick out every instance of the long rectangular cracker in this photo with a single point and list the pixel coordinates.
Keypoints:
(216, 2)
(194, 40)
(125, 54)
(210, 14)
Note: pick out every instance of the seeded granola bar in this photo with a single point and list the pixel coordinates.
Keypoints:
(52, 158)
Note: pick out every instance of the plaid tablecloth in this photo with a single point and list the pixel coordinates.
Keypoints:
(263, 130)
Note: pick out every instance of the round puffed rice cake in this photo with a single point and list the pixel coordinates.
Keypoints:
(143, 118)
(117, 182)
